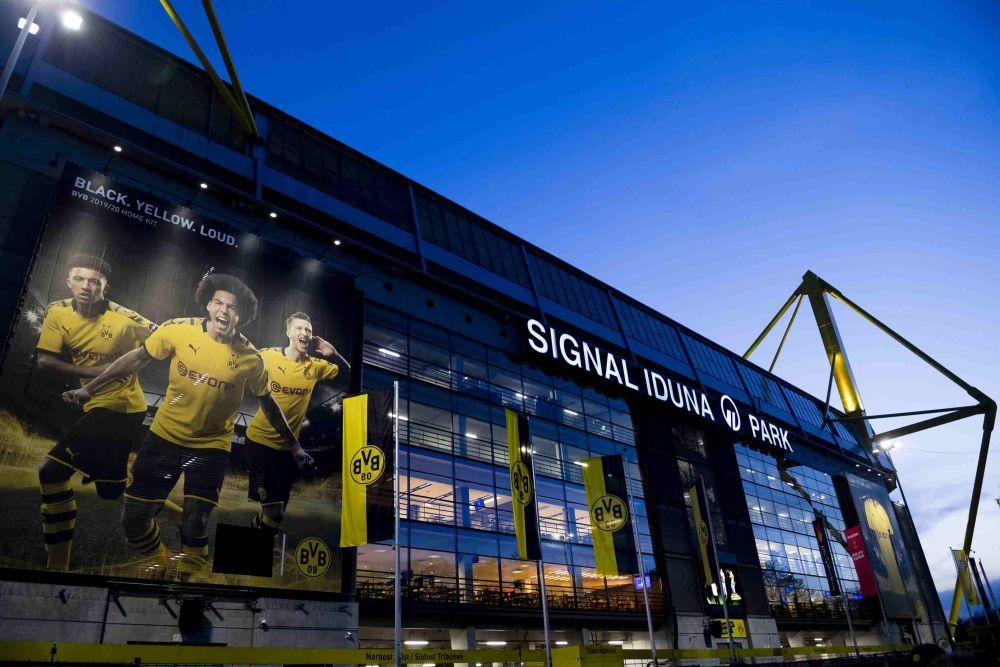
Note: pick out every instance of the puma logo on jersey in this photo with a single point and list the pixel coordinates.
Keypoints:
(193, 348)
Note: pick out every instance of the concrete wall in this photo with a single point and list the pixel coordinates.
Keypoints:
(46, 612)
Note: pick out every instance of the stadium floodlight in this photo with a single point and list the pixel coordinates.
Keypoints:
(70, 19)
(21, 22)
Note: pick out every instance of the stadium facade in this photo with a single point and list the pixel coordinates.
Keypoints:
(470, 320)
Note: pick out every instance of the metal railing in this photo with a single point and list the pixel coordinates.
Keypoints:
(428, 509)
(456, 590)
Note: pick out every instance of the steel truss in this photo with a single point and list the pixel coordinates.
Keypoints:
(819, 292)
(236, 100)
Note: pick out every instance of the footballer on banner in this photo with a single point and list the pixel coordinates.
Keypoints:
(210, 365)
(292, 375)
(80, 338)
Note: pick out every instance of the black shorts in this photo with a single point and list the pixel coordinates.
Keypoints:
(98, 445)
(160, 464)
(272, 473)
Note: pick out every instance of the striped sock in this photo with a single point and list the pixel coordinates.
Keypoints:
(148, 541)
(58, 522)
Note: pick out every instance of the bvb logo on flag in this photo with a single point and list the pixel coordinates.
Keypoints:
(703, 533)
(520, 483)
(608, 513)
(367, 465)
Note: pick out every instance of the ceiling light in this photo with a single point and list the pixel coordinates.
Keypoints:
(580, 463)
(472, 436)
(336, 242)
(118, 149)
(616, 642)
(21, 22)
(571, 413)
(415, 642)
(562, 642)
(498, 642)
(389, 353)
(71, 20)
(203, 186)
(273, 214)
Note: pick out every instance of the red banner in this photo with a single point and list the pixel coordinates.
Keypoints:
(856, 547)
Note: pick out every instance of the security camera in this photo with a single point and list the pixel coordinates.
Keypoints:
(348, 636)
(263, 623)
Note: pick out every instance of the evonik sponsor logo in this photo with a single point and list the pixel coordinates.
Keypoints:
(291, 391)
(197, 377)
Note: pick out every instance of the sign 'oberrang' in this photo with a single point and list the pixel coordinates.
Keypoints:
(590, 358)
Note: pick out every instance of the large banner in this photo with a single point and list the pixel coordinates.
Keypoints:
(887, 557)
(170, 399)
(610, 520)
(522, 486)
(962, 567)
(862, 566)
(826, 556)
(368, 508)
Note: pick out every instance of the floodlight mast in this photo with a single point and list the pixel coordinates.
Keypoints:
(237, 103)
(818, 291)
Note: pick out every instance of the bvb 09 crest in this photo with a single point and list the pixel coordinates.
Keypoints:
(367, 465)
(520, 483)
(703, 533)
(608, 513)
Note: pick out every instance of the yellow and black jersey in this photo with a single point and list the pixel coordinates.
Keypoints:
(90, 341)
(291, 384)
(878, 521)
(205, 385)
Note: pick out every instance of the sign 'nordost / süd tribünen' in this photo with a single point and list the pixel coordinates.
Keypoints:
(589, 358)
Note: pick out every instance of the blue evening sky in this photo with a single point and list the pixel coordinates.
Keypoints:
(700, 157)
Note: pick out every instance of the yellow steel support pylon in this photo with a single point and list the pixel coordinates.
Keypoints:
(237, 103)
(819, 293)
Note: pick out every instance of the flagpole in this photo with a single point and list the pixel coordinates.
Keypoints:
(398, 603)
(989, 586)
(836, 577)
(540, 563)
(638, 550)
(718, 573)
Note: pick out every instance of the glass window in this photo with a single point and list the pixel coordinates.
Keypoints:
(474, 541)
(794, 575)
